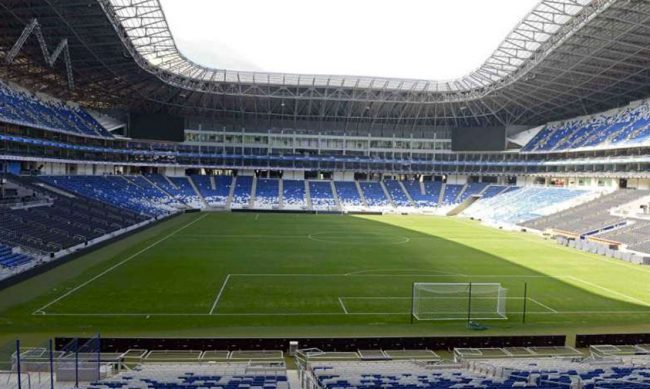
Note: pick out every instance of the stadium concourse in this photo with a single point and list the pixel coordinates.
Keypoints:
(167, 223)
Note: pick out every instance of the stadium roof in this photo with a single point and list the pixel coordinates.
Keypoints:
(565, 58)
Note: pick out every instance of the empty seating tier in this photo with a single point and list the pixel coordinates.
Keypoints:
(293, 194)
(267, 193)
(629, 126)
(321, 195)
(348, 194)
(374, 194)
(21, 107)
(65, 222)
(588, 217)
(521, 205)
(242, 194)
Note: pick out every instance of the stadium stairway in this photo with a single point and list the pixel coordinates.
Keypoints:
(336, 196)
(198, 192)
(397, 194)
(251, 202)
(348, 195)
(460, 197)
(361, 195)
(441, 196)
(308, 196)
(407, 194)
(231, 192)
(159, 187)
(388, 196)
(169, 181)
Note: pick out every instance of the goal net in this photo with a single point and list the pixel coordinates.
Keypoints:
(457, 301)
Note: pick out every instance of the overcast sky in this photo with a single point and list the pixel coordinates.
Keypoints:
(423, 39)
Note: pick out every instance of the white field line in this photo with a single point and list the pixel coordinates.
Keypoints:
(343, 306)
(158, 314)
(110, 269)
(459, 298)
(542, 304)
(354, 273)
(216, 300)
(257, 216)
(241, 236)
(581, 253)
(389, 275)
(353, 240)
(630, 298)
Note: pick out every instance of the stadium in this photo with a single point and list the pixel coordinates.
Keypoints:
(168, 222)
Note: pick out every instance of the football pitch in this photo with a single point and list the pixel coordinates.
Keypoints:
(250, 274)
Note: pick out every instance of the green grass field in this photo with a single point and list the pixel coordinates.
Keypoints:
(253, 274)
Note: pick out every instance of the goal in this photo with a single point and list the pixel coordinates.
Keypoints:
(458, 301)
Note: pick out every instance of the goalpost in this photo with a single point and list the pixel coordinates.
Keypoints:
(458, 301)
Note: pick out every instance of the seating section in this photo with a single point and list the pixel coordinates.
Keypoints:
(490, 373)
(493, 190)
(66, 222)
(432, 190)
(177, 187)
(396, 375)
(10, 260)
(293, 194)
(242, 194)
(267, 193)
(218, 196)
(635, 234)
(625, 127)
(521, 205)
(471, 189)
(157, 195)
(451, 194)
(132, 193)
(374, 194)
(348, 195)
(321, 195)
(195, 376)
(421, 200)
(186, 191)
(589, 217)
(21, 107)
(400, 199)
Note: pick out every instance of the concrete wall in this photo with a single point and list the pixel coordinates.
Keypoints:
(173, 171)
(457, 179)
(343, 176)
(639, 183)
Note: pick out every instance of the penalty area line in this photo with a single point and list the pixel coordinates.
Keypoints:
(216, 300)
(343, 306)
(41, 310)
(542, 305)
(629, 298)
